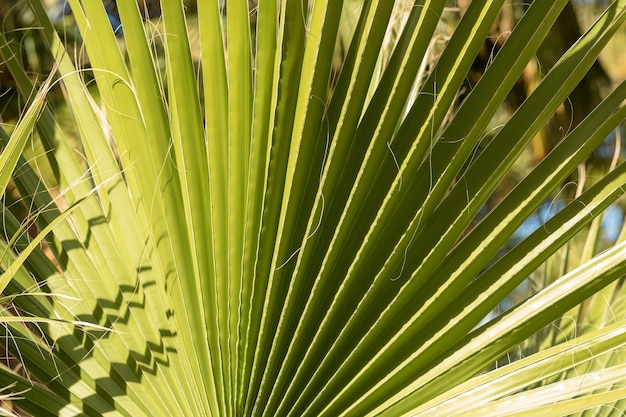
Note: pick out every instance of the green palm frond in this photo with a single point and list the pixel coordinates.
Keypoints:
(297, 224)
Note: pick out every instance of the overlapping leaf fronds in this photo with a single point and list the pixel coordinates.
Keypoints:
(257, 235)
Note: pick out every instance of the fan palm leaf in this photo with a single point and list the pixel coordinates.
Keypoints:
(250, 236)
